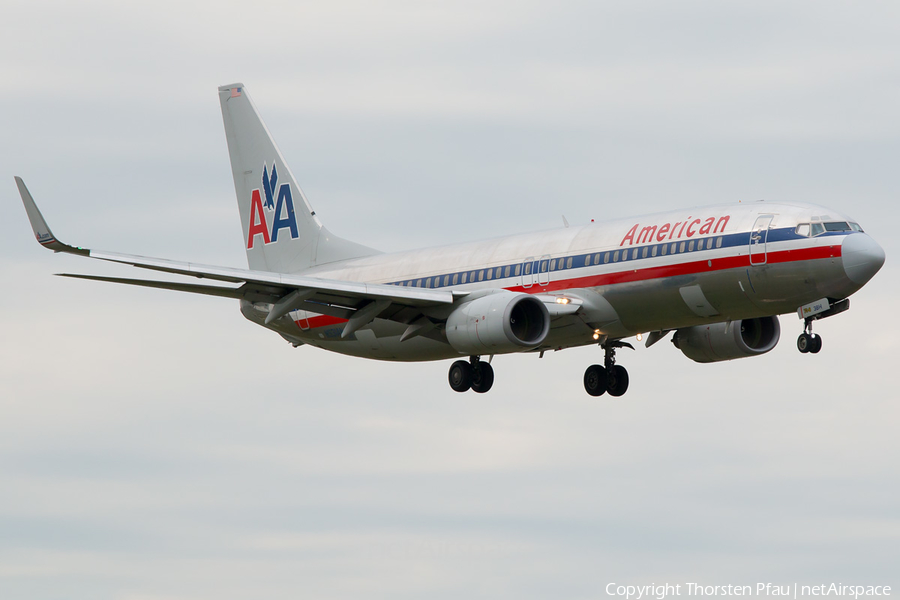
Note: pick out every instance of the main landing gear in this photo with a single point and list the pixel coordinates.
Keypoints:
(475, 375)
(808, 341)
(610, 377)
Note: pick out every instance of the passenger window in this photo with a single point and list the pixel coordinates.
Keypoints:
(544, 266)
(497, 272)
(681, 247)
(653, 251)
(506, 271)
(481, 275)
(616, 256)
(664, 248)
(569, 263)
(490, 274)
(718, 242)
(528, 268)
(455, 278)
(464, 275)
(635, 253)
(644, 253)
(553, 265)
(428, 282)
(446, 280)
(691, 246)
(700, 244)
(597, 258)
(605, 257)
(518, 270)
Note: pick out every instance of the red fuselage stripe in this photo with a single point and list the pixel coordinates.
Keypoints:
(632, 275)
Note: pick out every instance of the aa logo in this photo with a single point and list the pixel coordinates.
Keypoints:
(279, 210)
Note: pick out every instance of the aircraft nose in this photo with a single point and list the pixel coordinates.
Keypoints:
(862, 257)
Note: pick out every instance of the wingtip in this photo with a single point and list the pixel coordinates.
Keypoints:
(39, 226)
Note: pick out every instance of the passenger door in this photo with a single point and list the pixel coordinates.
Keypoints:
(528, 272)
(758, 237)
(544, 270)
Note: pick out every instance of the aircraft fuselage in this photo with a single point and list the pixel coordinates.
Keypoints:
(651, 273)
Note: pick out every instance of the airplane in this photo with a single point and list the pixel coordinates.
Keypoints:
(716, 276)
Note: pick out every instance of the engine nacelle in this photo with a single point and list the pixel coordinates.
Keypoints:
(727, 341)
(498, 323)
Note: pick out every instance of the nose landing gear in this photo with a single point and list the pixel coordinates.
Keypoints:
(808, 341)
(475, 375)
(610, 377)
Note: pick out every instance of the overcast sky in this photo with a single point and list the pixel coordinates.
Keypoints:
(156, 445)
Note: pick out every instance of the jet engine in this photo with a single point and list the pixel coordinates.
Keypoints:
(498, 323)
(727, 341)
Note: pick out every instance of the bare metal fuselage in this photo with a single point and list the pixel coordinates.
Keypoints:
(642, 274)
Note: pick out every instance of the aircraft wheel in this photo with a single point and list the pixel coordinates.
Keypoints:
(460, 376)
(804, 343)
(816, 344)
(595, 380)
(482, 377)
(617, 380)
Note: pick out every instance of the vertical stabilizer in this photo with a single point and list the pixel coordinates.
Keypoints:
(281, 231)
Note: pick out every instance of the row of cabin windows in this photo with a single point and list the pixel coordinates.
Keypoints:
(555, 264)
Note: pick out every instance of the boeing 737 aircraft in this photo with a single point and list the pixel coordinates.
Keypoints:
(718, 276)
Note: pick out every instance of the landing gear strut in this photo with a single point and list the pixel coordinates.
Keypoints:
(475, 375)
(808, 341)
(610, 377)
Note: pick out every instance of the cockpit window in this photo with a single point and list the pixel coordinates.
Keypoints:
(837, 226)
(814, 229)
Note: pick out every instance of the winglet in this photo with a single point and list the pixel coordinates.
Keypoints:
(42, 232)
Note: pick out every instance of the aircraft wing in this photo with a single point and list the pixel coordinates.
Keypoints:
(287, 292)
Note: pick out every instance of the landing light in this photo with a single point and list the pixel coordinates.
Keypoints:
(562, 300)
(640, 336)
(596, 334)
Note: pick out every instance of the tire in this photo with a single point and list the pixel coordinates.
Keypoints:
(460, 376)
(482, 378)
(617, 381)
(804, 343)
(595, 380)
(816, 344)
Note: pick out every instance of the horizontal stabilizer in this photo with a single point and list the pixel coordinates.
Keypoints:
(193, 288)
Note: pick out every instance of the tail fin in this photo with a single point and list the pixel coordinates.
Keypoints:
(281, 230)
